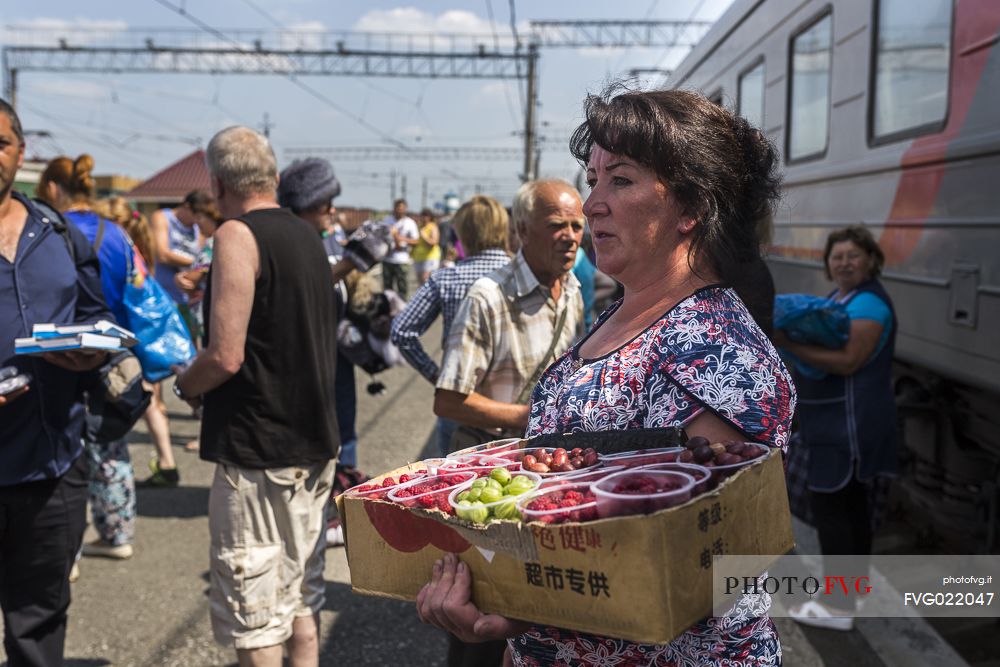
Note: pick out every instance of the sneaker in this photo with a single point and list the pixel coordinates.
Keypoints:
(334, 533)
(102, 549)
(163, 478)
(74, 572)
(818, 615)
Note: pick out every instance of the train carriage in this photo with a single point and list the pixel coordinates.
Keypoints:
(887, 112)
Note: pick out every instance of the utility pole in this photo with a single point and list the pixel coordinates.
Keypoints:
(423, 194)
(392, 185)
(530, 173)
(267, 125)
(403, 187)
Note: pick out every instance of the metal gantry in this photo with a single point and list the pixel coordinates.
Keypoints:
(323, 53)
(393, 153)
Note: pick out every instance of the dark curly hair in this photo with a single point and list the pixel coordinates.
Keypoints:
(721, 170)
(859, 236)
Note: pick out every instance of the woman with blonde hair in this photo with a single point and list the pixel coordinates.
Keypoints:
(482, 226)
(136, 225)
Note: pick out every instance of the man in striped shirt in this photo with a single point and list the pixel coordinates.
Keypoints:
(514, 322)
(482, 225)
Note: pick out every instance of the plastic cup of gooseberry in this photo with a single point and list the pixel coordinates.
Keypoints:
(720, 473)
(506, 506)
(517, 456)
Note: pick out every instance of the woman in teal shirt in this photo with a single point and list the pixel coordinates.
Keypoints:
(847, 418)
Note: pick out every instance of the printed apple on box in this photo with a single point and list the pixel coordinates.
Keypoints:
(644, 578)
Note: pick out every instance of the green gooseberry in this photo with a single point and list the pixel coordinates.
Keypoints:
(490, 495)
(501, 475)
(507, 510)
(475, 512)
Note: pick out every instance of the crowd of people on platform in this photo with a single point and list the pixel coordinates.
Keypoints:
(559, 314)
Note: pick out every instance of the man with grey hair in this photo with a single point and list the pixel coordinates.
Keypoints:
(266, 380)
(518, 319)
(512, 324)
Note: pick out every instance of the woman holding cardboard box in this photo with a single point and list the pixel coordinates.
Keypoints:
(678, 185)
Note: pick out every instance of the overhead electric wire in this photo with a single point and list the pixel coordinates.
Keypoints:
(291, 77)
(517, 51)
(263, 12)
(694, 12)
(75, 132)
(496, 45)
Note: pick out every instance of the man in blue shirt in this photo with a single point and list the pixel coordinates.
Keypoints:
(43, 486)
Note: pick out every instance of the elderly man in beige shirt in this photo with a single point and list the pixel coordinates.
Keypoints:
(517, 320)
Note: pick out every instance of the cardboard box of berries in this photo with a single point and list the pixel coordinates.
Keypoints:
(581, 533)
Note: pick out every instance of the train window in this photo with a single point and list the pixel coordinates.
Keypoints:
(809, 98)
(910, 73)
(750, 92)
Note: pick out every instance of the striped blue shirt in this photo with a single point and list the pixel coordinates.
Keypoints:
(440, 295)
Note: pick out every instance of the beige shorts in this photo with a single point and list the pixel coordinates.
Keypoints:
(268, 534)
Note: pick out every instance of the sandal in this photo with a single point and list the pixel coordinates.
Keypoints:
(818, 615)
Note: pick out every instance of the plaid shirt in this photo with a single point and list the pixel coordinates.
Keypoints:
(441, 294)
(503, 329)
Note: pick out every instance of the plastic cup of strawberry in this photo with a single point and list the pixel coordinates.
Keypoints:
(431, 492)
(560, 503)
(641, 492)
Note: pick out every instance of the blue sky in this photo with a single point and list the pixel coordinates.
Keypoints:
(137, 124)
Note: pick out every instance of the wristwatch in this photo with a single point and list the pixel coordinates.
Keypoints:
(178, 393)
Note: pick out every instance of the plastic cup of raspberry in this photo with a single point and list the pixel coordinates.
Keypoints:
(560, 503)
(379, 488)
(431, 492)
(589, 475)
(643, 457)
(702, 475)
(641, 492)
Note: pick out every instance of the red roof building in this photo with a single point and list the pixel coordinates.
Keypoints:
(169, 186)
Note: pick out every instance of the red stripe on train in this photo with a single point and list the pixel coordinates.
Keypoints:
(976, 21)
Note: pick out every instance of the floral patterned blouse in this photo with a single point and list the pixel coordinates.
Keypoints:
(706, 353)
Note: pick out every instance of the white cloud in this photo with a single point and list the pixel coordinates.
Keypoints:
(437, 27)
(43, 31)
(307, 35)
